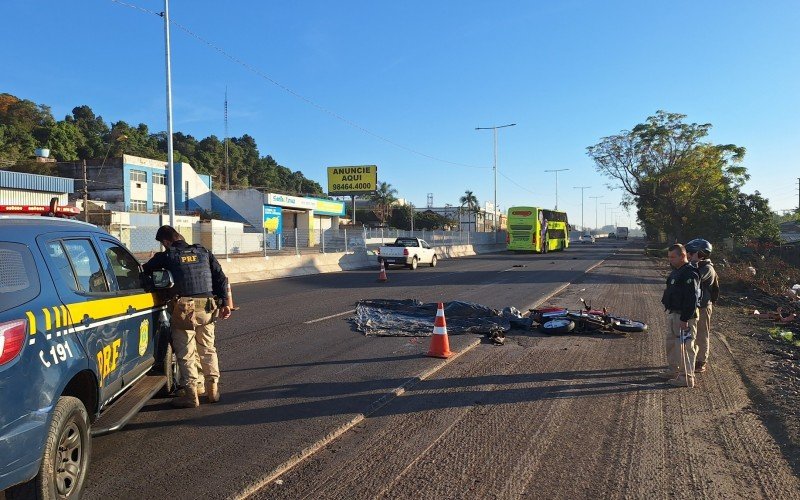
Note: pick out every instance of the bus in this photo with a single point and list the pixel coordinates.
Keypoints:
(534, 229)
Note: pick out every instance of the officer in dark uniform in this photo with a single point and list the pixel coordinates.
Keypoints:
(198, 280)
(680, 300)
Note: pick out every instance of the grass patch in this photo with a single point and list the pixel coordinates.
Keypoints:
(782, 335)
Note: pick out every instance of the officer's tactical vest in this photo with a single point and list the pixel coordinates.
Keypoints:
(191, 268)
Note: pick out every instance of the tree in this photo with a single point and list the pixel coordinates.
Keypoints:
(64, 140)
(95, 132)
(83, 135)
(383, 197)
(470, 202)
(680, 183)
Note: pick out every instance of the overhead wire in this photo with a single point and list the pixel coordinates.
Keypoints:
(296, 94)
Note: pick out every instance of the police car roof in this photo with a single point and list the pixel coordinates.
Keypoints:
(41, 224)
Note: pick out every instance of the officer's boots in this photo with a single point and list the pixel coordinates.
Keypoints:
(188, 399)
(212, 391)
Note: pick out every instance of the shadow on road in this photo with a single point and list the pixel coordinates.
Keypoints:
(350, 398)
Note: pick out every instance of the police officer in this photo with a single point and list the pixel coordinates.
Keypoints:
(699, 251)
(680, 300)
(198, 279)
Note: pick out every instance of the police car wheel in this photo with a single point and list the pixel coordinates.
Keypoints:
(66, 455)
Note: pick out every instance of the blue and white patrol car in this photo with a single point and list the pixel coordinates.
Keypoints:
(83, 346)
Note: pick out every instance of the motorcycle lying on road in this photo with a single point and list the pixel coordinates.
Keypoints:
(557, 320)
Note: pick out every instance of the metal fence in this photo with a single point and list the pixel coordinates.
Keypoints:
(228, 242)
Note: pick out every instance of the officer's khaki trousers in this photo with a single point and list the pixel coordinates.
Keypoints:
(676, 364)
(193, 337)
(704, 333)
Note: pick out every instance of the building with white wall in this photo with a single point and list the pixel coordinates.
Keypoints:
(18, 188)
(309, 216)
(135, 184)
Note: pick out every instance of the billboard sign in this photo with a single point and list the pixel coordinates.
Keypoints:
(318, 205)
(344, 181)
(273, 219)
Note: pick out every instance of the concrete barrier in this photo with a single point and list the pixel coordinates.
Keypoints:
(244, 269)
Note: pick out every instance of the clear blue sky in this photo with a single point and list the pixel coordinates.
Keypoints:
(424, 74)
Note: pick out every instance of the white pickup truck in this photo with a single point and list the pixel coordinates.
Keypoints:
(409, 252)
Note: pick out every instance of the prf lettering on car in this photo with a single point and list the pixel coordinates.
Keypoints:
(186, 259)
(107, 358)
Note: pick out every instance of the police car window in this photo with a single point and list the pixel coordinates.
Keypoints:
(59, 258)
(86, 266)
(19, 281)
(124, 265)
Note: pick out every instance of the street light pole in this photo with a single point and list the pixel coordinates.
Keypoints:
(605, 213)
(494, 129)
(170, 164)
(582, 188)
(595, 210)
(557, 171)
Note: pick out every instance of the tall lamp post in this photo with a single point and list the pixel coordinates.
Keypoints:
(170, 162)
(595, 210)
(613, 217)
(494, 129)
(582, 188)
(557, 171)
(605, 213)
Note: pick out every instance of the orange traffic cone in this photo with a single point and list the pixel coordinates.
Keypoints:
(440, 345)
(382, 276)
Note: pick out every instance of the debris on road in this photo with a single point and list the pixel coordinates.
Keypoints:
(412, 318)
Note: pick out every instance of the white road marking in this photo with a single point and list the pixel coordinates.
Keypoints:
(351, 311)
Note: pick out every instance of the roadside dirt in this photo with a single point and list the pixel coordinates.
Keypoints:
(574, 416)
(769, 368)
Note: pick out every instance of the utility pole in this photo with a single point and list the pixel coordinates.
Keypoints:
(582, 188)
(170, 159)
(595, 210)
(494, 128)
(85, 194)
(227, 169)
(605, 213)
(557, 171)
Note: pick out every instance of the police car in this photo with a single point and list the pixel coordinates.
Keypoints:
(83, 346)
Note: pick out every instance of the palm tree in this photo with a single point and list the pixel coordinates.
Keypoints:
(471, 202)
(383, 197)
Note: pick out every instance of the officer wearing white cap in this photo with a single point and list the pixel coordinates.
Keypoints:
(198, 280)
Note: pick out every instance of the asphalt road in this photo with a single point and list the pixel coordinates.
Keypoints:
(564, 417)
(295, 374)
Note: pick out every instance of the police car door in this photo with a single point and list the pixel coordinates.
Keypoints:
(137, 329)
(89, 304)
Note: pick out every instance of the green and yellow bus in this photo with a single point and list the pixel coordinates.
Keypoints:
(534, 229)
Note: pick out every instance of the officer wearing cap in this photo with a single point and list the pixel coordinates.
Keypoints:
(680, 300)
(198, 280)
(699, 251)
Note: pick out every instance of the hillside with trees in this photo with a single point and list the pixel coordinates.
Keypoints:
(82, 135)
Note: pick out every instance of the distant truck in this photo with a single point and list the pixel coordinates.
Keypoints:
(622, 233)
(409, 252)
